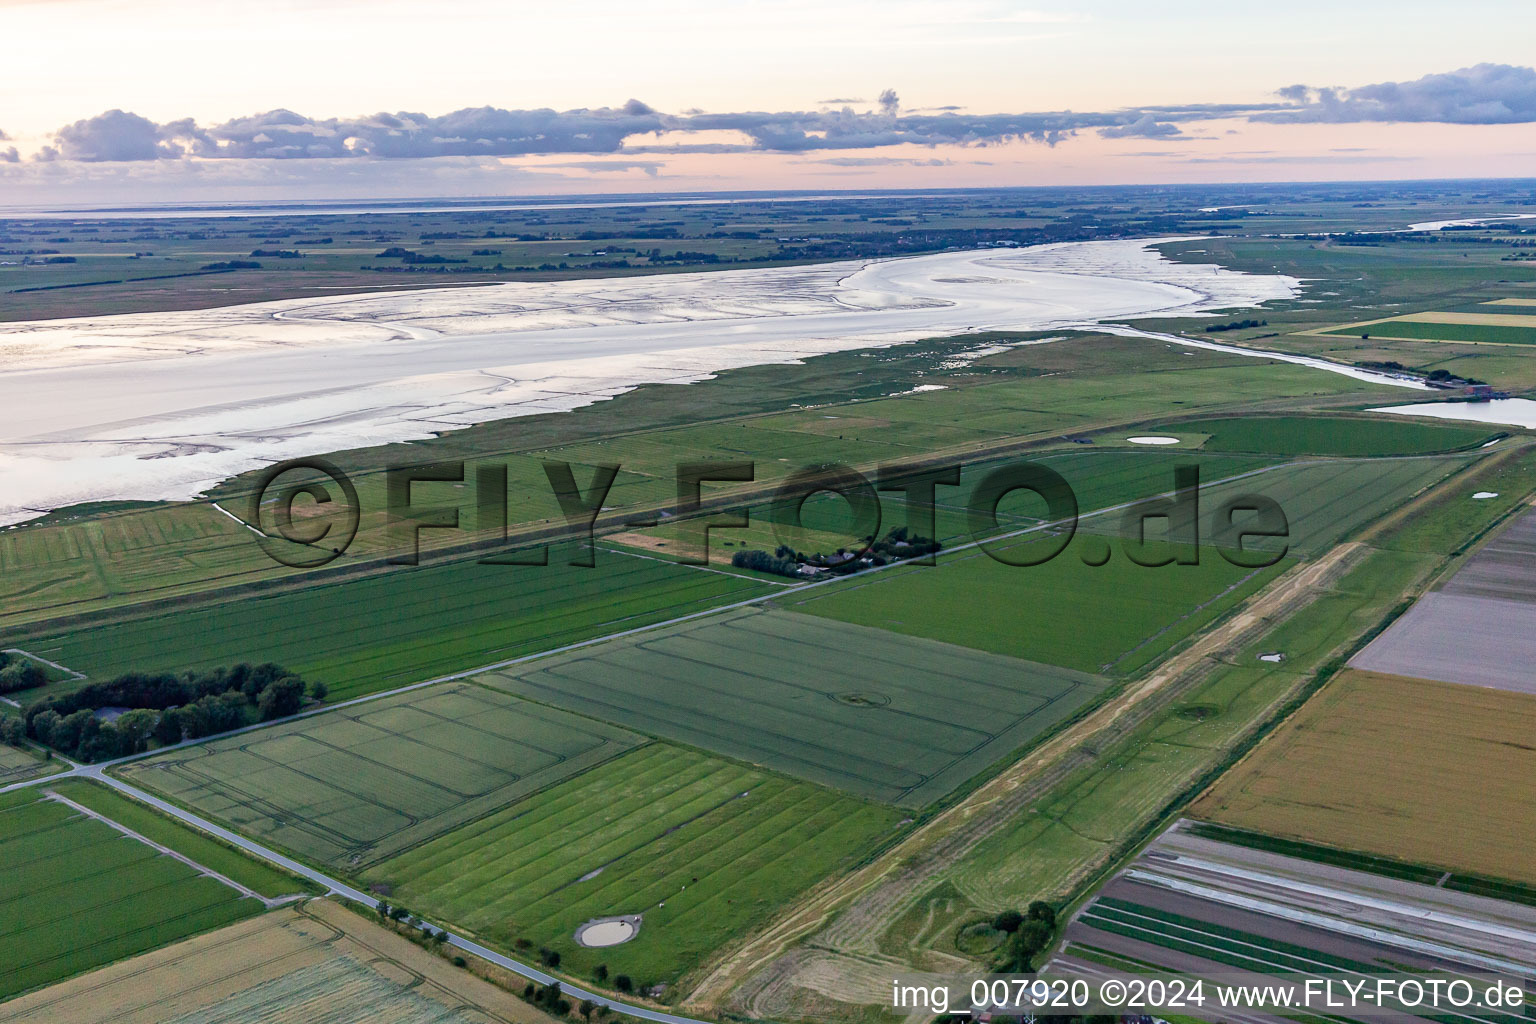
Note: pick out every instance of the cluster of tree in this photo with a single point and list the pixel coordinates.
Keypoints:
(551, 999)
(412, 257)
(13, 730)
(786, 561)
(683, 256)
(902, 543)
(19, 674)
(1028, 933)
(1235, 325)
(165, 707)
(278, 254)
(762, 561)
(232, 265)
(498, 268)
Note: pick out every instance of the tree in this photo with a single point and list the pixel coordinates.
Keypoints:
(13, 731)
(170, 729)
(44, 724)
(601, 973)
(133, 730)
(21, 675)
(1008, 921)
(318, 690)
(623, 984)
(281, 698)
(587, 1006)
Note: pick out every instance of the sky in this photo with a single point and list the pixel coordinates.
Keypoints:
(159, 100)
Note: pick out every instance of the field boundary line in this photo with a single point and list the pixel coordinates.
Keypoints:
(818, 907)
(269, 902)
(794, 588)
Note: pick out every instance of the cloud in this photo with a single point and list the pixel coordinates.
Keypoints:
(650, 167)
(118, 135)
(1483, 94)
(1146, 126)
(4, 137)
(880, 161)
(1340, 158)
(9, 155)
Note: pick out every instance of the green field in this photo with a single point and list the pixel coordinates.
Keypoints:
(893, 718)
(358, 784)
(404, 626)
(1324, 501)
(1114, 618)
(702, 848)
(76, 894)
(1499, 334)
(211, 853)
(18, 765)
(82, 561)
(1330, 435)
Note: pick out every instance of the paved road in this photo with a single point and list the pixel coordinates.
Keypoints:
(98, 771)
(335, 886)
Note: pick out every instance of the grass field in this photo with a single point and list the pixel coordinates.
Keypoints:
(1099, 477)
(18, 765)
(206, 850)
(1425, 772)
(885, 716)
(702, 848)
(75, 894)
(358, 784)
(404, 626)
(1119, 784)
(319, 964)
(84, 560)
(1113, 618)
(1324, 501)
(1330, 435)
(1486, 334)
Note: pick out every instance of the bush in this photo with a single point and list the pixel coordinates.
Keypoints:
(1008, 921)
(281, 698)
(21, 675)
(623, 984)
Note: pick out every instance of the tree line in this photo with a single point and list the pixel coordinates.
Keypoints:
(166, 707)
(19, 674)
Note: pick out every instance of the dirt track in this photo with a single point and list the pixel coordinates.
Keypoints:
(939, 842)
